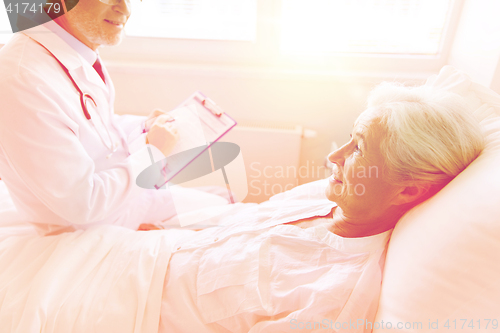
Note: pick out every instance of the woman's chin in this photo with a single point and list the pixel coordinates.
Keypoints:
(332, 192)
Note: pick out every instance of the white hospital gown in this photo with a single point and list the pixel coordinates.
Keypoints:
(258, 274)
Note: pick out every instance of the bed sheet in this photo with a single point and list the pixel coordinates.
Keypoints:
(102, 279)
(11, 221)
(6, 204)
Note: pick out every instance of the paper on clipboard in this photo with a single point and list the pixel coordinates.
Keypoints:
(189, 129)
(199, 124)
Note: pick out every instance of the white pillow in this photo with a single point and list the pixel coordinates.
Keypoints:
(442, 270)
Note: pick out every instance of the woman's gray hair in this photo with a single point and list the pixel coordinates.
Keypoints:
(431, 136)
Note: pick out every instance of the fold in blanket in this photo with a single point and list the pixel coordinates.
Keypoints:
(104, 279)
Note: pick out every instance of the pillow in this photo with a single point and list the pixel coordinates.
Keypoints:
(442, 270)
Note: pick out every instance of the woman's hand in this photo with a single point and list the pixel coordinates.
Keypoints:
(163, 134)
(148, 226)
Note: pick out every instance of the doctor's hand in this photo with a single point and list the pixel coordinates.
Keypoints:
(152, 118)
(163, 134)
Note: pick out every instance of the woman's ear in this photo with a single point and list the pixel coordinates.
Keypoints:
(412, 194)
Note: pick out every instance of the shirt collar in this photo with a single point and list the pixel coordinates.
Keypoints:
(86, 52)
(61, 43)
(351, 245)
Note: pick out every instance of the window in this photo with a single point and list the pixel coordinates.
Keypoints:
(363, 26)
(194, 19)
(5, 29)
(311, 35)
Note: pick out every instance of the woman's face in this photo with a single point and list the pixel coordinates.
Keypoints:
(358, 183)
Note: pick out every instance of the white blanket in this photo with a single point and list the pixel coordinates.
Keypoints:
(101, 280)
(105, 279)
(109, 279)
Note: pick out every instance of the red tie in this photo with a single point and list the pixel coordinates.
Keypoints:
(97, 66)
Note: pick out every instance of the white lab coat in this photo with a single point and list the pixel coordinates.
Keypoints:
(51, 157)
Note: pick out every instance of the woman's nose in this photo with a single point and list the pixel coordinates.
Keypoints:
(337, 156)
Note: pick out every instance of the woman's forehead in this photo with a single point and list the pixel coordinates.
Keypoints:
(368, 129)
(367, 119)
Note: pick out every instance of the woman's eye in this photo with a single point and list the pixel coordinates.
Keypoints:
(356, 147)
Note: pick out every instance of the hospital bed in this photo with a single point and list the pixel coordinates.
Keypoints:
(442, 270)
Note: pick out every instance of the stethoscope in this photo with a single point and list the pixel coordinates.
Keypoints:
(84, 99)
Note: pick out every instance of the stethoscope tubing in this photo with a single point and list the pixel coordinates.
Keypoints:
(83, 98)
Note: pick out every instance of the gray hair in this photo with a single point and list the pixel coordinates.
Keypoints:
(431, 136)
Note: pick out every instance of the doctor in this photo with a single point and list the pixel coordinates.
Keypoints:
(68, 161)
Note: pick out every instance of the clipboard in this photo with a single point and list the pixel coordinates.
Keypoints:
(200, 124)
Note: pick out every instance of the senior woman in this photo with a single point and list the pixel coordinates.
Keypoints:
(315, 264)
(405, 147)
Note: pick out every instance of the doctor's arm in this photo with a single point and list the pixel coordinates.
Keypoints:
(42, 143)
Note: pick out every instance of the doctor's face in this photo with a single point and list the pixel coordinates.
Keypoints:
(95, 23)
(358, 183)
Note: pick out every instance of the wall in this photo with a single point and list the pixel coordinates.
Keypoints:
(325, 102)
(476, 48)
